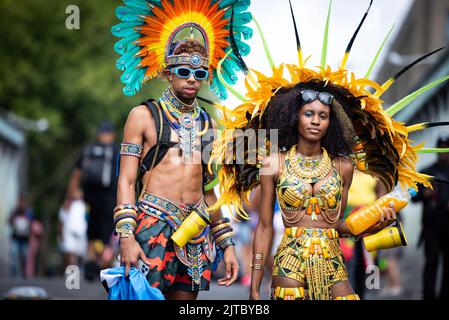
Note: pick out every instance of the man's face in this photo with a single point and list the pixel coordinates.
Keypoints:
(186, 89)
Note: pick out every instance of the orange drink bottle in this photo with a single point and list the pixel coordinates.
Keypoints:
(368, 216)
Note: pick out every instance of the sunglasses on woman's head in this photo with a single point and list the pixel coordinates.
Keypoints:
(311, 95)
(184, 72)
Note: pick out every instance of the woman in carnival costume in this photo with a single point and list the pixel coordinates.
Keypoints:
(163, 139)
(328, 121)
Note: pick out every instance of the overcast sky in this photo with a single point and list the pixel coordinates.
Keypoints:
(275, 20)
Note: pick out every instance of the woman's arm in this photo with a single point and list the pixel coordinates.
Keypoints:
(347, 172)
(388, 214)
(263, 235)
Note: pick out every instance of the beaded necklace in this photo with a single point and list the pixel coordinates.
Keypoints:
(183, 119)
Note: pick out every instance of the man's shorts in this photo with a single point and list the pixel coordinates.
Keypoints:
(172, 268)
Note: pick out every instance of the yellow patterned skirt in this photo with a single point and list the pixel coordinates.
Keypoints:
(313, 257)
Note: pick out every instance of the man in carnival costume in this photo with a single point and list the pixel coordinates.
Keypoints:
(164, 140)
(328, 122)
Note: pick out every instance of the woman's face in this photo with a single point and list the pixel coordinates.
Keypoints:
(314, 119)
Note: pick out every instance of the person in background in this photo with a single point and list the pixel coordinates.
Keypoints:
(72, 233)
(435, 226)
(34, 242)
(94, 174)
(20, 222)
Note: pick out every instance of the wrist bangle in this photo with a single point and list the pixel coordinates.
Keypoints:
(256, 266)
(123, 216)
(226, 243)
(129, 221)
(221, 232)
(223, 236)
(219, 221)
(125, 206)
(220, 226)
(123, 211)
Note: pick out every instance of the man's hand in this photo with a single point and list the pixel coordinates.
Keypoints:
(232, 267)
(130, 252)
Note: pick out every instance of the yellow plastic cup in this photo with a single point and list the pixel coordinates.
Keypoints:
(191, 227)
(387, 238)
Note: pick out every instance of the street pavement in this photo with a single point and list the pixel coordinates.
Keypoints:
(55, 287)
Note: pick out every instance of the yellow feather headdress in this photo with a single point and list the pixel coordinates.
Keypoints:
(383, 148)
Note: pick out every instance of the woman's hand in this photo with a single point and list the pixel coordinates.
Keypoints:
(130, 253)
(232, 267)
(388, 216)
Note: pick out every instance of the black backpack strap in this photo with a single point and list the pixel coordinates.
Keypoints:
(206, 146)
(159, 150)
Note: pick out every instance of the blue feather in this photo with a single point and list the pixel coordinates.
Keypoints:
(242, 18)
(228, 72)
(140, 4)
(247, 32)
(232, 63)
(131, 17)
(218, 87)
(227, 3)
(238, 7)
(126, 44)
(244, 48)
(132, 89)
(124, 29)
(130, 76)
(128, 59)
(121, 11)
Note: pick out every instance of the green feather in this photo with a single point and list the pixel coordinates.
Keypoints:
(224, 82)
(401, 104)
(368, 73)
(433, 150)
(325, 38)
(265, 45)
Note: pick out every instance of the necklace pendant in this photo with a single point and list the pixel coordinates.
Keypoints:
(187, 136)
(186, 120)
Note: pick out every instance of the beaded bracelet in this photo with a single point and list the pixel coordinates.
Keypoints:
(221, 232)
(131, 149)
(223, 237)
(219, 221)
(220, 227)
(125, 206)
(125, 211)
(226, 243)
(124, 216)
(126, 221)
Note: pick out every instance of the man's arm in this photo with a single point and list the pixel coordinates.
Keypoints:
(134, 132)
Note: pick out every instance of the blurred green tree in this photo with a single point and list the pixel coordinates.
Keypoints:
(67, 76)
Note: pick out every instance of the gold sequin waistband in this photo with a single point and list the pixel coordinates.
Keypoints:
(297, 232)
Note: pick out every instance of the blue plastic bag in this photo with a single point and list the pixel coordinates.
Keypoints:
(136, 287)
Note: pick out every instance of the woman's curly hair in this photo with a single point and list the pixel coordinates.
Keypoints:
(282, 113)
